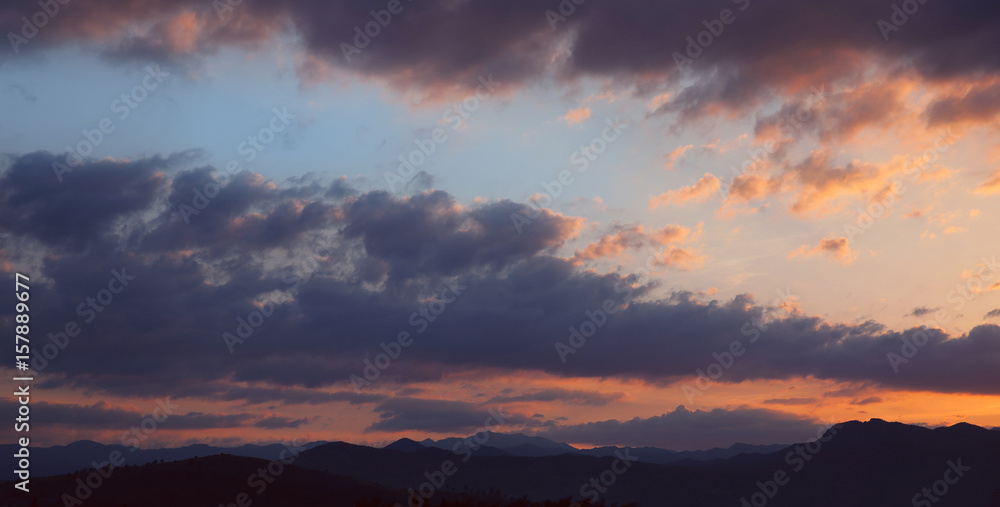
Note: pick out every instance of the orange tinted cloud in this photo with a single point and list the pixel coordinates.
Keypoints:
(821, 182)
(613, 245)
(632, 238)
(680, 258)
(673, 234)
(839, 249)
(935, 175)
(701, 191)
(747, 187)
(576, 116)
(990, 186)
(675, 155)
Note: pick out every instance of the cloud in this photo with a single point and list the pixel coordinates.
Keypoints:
(745, 67)
(867, 401)
(700, 191)
(839, 249)
(848, 392)
(920, 311)
(340, 189)
(102, 416)
(351, 273)
(990, 186)
(992, 314)
(275, 422)
(438, 416)
(790, 401)
(684, 429)
(821, 183)
(76, 212)
(632, 237)
(674, 234)
(420, 182)
(431, 233)
(680, 258)
(574, 396)
(613, 245)
(675, 155)
(979, 104)
(576, 117)
(259, 395)
(935, 175)
(747, 187)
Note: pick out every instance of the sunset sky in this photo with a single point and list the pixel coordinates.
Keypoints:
(802, 193)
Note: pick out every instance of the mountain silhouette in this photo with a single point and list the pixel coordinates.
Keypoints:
(522, 445)
(61, 459)
(209, 481)
(872, 463)
(854, 464)
(405, 445)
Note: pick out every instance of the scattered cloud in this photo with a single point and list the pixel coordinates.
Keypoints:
(838, 249)
(675, 155)
(920, 311)
(991, 185)
(700, 191)
(576, 117)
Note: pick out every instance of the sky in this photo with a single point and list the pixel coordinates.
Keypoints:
(671, 224)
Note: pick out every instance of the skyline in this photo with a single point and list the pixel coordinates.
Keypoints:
(293, 228)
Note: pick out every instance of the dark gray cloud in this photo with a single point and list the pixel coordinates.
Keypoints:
(209, 208)
(421, 181)
(104, 416)
(980, 104)
(575, 396)
(765, 47)
(199, 420)
(847, 392)
(992, 314)
(920, 311)
(340, 189)
(428, 233)
(275, 422)
(331, 303)
(82, 208)
(440, 416)
(259, 395)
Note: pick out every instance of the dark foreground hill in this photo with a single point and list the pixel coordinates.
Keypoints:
(210, 481)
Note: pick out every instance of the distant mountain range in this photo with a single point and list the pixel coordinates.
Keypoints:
(855, 464)
(529, 446)
(62, 459)
(82, 454)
